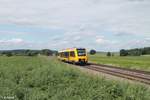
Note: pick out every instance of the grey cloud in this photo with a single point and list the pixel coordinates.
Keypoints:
(120, 34)
(114, 15)
(84, 18)
(18, 43)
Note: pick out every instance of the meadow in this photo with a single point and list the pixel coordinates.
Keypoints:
(132, 62)
(45, 78)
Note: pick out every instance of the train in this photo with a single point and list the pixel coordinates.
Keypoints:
(74, 55)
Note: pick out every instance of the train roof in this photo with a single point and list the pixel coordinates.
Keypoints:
(69, 49)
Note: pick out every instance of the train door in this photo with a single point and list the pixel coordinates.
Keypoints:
(72, 56)
(67, 56)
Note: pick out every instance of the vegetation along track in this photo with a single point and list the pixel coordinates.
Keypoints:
(138, 75)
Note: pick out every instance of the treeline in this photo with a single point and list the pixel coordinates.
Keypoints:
(135, 52)
(28, 52)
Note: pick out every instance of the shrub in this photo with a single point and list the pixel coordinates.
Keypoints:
(108, 54)
(123, 52)
(92, 52)
(9, 54)
(47, 52)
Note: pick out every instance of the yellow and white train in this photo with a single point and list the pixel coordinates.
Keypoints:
(73, 55)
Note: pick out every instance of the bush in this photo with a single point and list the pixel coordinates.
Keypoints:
(108, 54)
(9, 54)
(92, 52)
(123, 52)
(46, 52)
(32, 54)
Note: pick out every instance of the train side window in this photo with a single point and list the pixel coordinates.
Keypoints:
(72, 54)
(66, 54)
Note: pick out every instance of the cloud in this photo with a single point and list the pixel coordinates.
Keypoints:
(80, 21)
(2, 32)
(136, 43)
(123, 34)
(101, 40)
(17, 43)
(115, 15)
(12, 41)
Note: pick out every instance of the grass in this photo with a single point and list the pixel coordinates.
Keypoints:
(43, 78)
(132, 62)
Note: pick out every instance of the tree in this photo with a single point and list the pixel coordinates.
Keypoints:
(4, 53)
(92, 52)
(47, 52)
(145, 50)
(31, 53)
(9, 54)
(123, 52)
(108, 54)
(55, 53)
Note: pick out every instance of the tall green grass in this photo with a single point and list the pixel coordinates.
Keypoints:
(43, 78)
(132, 62)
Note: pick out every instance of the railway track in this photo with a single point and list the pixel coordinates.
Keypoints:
(136, 75)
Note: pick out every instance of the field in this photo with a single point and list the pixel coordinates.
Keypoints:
(132, 62)
(44, 78)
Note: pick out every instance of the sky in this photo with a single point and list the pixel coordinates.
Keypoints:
(104, 25)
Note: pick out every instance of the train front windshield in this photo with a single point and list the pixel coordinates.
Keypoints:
(81, 52)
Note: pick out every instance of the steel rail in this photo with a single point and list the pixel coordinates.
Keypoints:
(130, 76)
